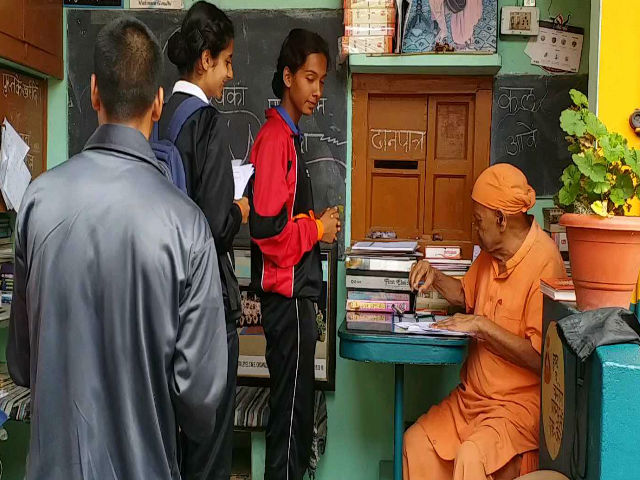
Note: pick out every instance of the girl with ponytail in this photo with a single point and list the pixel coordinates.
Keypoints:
(202, 51)
(285, 255)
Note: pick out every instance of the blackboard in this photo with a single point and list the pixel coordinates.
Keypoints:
(259, 35)
(525, 126)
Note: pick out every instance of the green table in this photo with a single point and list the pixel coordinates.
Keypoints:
(400, 349)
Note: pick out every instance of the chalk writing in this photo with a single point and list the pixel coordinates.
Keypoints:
(11, 83)
(515, 99)
(321, 137)
(517, 143)
(234, 96)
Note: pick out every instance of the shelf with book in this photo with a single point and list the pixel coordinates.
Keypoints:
(426, 63)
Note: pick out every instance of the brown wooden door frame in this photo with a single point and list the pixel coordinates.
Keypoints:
(364, 85)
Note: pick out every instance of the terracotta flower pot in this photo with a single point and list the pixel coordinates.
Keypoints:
(605, 259)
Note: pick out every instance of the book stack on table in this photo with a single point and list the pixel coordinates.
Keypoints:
(378, 291)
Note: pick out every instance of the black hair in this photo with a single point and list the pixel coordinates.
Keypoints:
(128, 64)
(298, 45)
(205, 27)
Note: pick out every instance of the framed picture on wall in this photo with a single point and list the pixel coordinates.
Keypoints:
(252, 365)
(451, 26)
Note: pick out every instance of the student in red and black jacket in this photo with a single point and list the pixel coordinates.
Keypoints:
(285, 256)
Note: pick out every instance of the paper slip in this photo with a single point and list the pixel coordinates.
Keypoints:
(14, 174)
(426, 328)
(241, 176)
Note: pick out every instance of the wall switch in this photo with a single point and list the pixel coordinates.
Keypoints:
(520, 21)
(529, 3)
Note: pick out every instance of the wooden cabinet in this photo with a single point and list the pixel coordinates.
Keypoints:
(419, 143)
(31, 34)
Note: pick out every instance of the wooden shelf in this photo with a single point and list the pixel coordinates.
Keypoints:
(427, 63)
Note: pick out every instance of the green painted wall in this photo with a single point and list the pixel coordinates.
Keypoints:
(360, 411)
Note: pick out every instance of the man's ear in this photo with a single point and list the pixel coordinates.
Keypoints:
(501, 219)
(95, 94)
(156, 108)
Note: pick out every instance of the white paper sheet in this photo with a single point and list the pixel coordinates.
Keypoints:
(241, 176)
(427, 328)
(16, 176)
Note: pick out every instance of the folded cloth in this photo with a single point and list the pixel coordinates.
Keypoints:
(585, 331)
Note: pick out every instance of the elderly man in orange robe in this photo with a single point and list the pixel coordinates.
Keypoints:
(488, 426)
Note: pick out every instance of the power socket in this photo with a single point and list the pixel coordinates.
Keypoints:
(520, 21)
(529, 3)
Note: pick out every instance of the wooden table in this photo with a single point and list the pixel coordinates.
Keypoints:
(401, 350)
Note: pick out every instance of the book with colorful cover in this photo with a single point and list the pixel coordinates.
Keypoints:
(370, 321)
(377, 302)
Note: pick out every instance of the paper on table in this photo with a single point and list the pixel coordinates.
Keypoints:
(408, 247)
(427, 328)
(16, 174)
(241, 176)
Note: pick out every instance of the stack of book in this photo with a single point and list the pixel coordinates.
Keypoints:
(447, 259)
(560, 289)
(6, 260)
(369, 26)
(558, 233)
(378, 289)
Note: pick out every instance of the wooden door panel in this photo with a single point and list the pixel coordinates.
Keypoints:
(451, 122)
(394, 203)
(448, 218)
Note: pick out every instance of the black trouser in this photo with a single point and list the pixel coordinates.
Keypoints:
(291, 332)
(211, 459)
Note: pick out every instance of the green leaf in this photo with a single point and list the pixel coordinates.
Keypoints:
(574, 148)
(614, 147)
(571, 175)
(600, 208)
(572, 123)
(579, 98)
(598, 187)
(632, 159)
(594, 126)
(622, 191)
(568, 193)
(590, 167)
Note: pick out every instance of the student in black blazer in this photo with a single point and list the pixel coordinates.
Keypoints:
(202, 50)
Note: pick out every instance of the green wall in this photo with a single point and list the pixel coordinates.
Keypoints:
(360, 411)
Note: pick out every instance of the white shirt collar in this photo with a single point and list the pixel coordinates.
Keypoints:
(182, 86)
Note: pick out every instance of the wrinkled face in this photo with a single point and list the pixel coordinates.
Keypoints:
(307, 84)
(218, 71)
(486, 223)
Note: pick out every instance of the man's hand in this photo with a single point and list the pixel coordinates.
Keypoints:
(422, 272)
(471, 324)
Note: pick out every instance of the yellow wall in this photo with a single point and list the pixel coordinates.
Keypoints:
(619, 73)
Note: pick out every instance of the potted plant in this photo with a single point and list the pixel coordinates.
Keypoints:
(600, 191)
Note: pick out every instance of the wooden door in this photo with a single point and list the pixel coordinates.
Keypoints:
(419, 143)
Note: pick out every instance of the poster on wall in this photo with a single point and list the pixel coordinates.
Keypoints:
(252, 365)
(168, 4)
(451, 26)
(556, 50)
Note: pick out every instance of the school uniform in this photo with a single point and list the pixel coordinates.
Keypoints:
(286, 271)
(209, 180)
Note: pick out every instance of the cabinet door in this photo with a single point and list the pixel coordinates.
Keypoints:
(450, 172)
(43, 25)
(12, 18)
(12, 30)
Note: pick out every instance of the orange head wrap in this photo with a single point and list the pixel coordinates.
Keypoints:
(503, 187)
